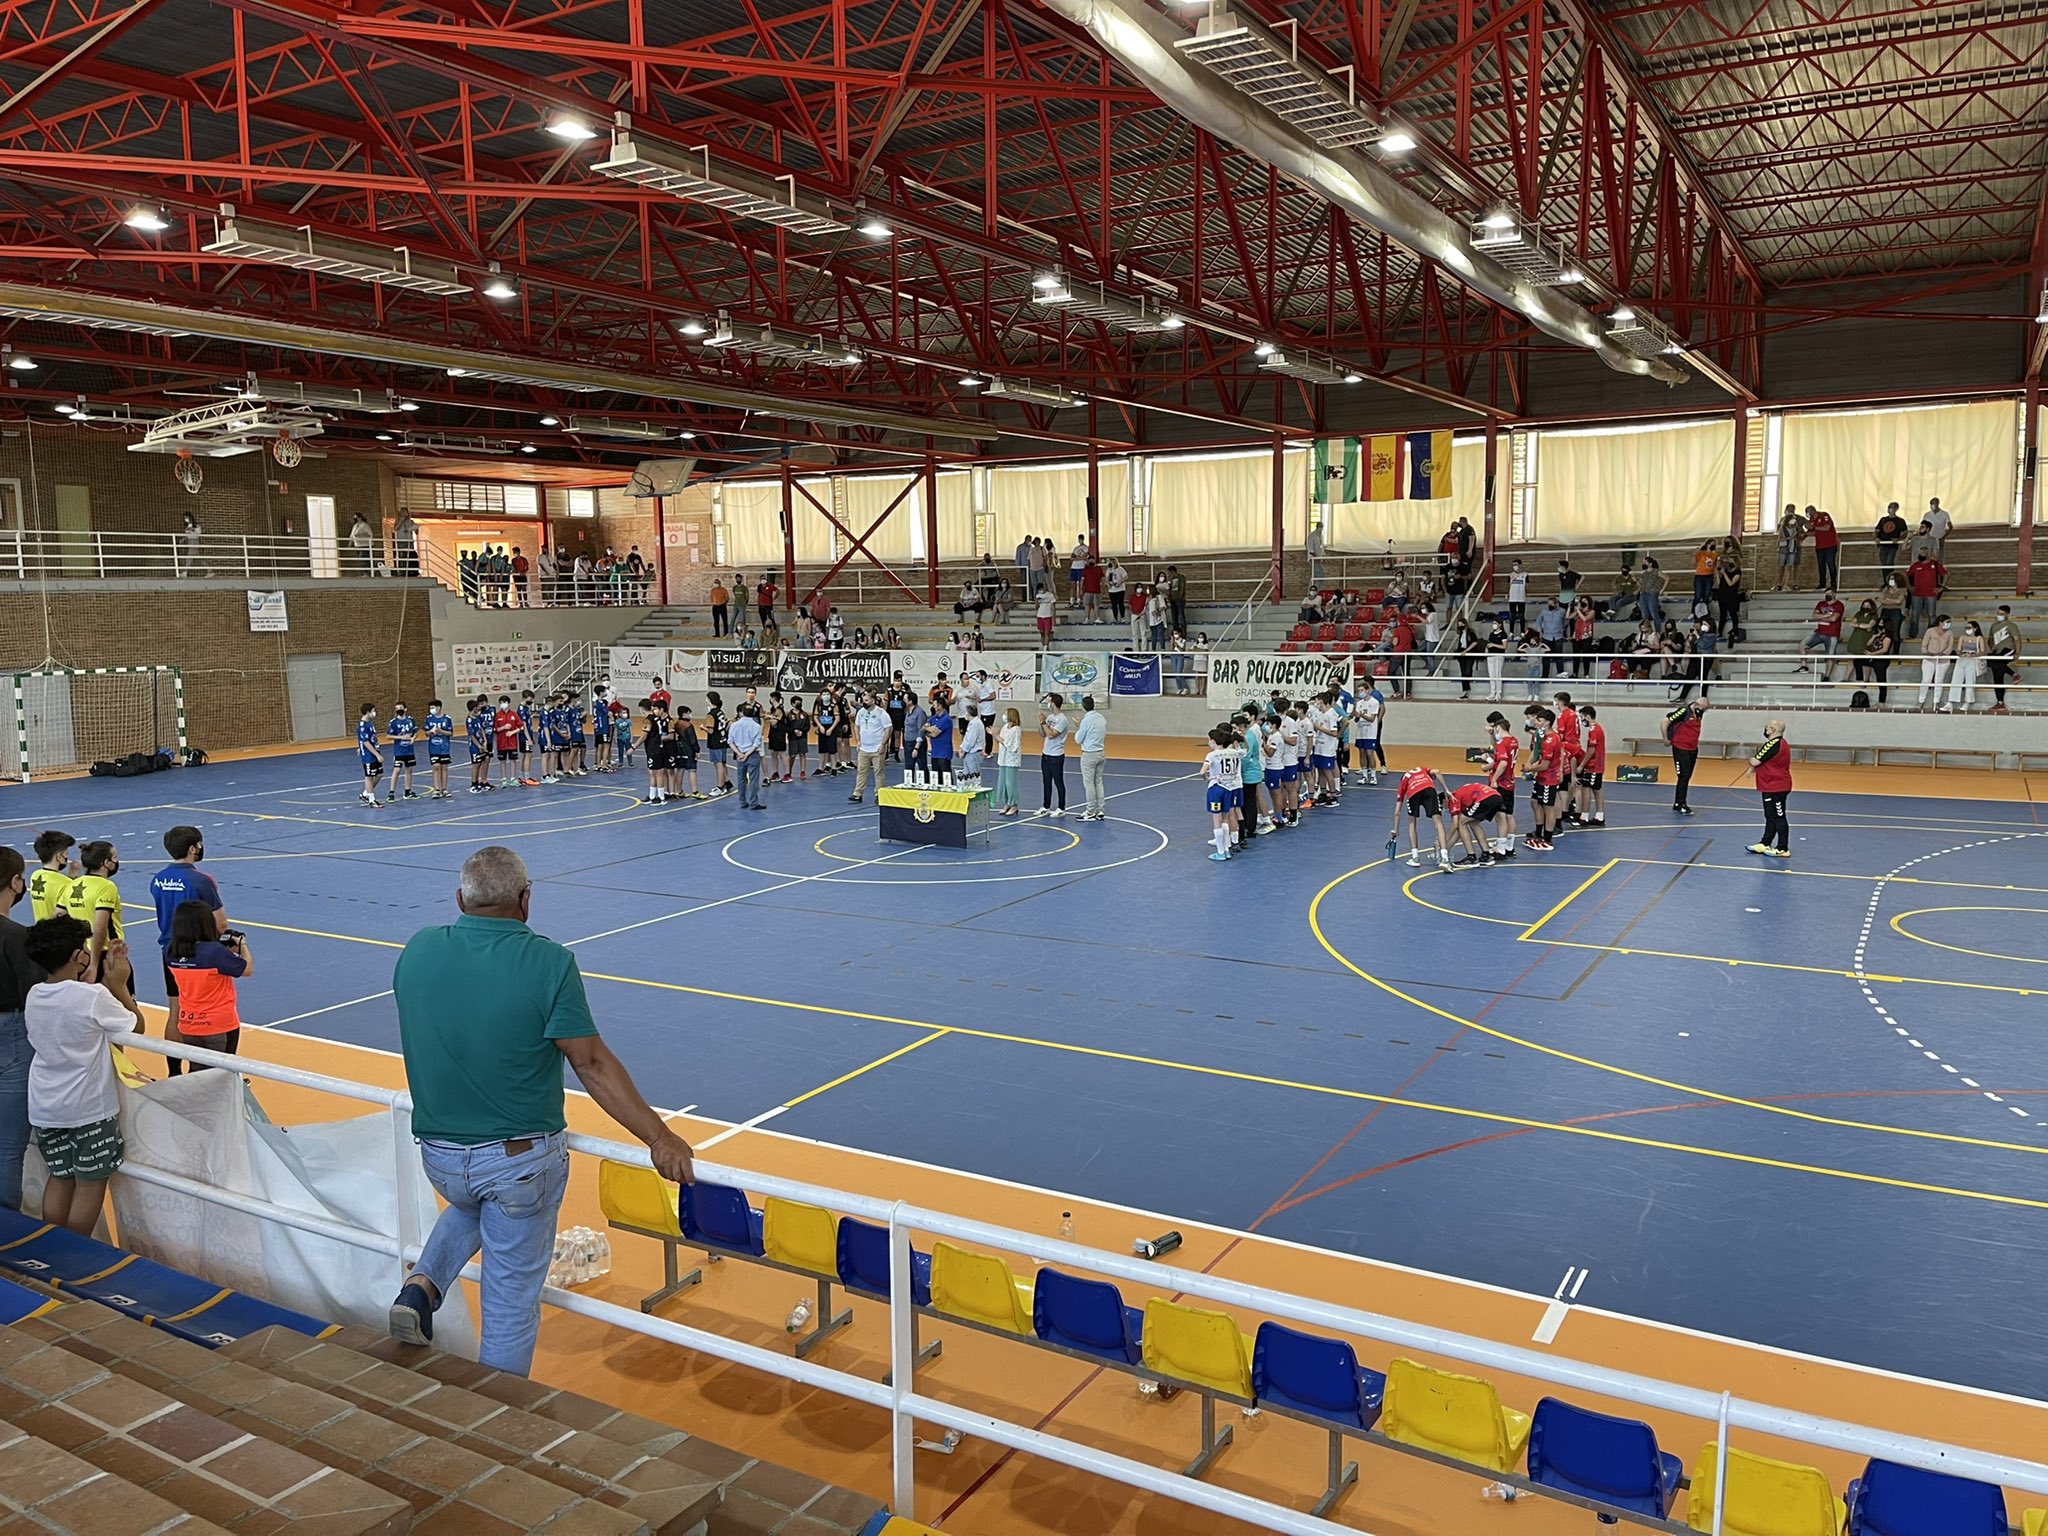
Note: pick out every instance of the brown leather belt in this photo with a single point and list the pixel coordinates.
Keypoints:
(520, 1147)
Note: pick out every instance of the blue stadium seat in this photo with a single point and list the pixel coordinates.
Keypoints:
(1894, 1500)
(230, 1316)
(18, 1303)
(1316, 1377)
(1609, 1460)
(51, 1255)
(718, 1216)
(864, 1263)
(146, 1290)
(1088, 1316)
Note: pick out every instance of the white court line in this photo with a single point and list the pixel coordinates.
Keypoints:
(314, 1013)
(1560, 1305)
(745, 1125)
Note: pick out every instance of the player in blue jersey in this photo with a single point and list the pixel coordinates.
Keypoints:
(530, 745)
(403, 731)
(554, 726)
(440, 741)
(367, 753)
(601, 726)
(479, 731)
(578, 742)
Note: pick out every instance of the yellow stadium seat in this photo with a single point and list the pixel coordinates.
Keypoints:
(979, 1288)
(1452, 1415)
(1206, 1349)
(804, 1237)
(638, 1198)
(1765, 1497)
(2036, 1522)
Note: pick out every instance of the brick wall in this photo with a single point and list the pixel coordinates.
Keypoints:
(235, 693)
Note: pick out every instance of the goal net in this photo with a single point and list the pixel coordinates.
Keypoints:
(66, 719)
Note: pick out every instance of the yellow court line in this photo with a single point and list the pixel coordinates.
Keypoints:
(1982, 954)
(1408, 890)
(1687, 1089)
(1811, 970)
(1360, 1095)
(880, 1061)
(1577, 891)
(1822, 874)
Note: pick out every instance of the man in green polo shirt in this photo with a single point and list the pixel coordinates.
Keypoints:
(488, 1010)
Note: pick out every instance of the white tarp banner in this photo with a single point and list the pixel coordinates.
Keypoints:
(209, 1127)
(634, 670)
(1237, 678)
(1015, 673)
(689, 673)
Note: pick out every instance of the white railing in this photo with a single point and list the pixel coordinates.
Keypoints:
(1241, 616)
(508, 589)
(906, 1405)
(38, 554)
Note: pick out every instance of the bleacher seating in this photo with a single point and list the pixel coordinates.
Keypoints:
(1765, 1497)
(18, 1303)
(67, 1264)
(1613, 1466)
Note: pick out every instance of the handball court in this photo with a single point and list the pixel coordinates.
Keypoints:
(1647, 1101)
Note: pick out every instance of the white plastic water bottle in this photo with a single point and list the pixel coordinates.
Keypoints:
(1502, 1491)
(1148, 1388)
(604, 1253)
(799, 1316)
(1066, 1226)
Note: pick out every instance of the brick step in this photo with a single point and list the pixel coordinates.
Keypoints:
(56, 1494)
(759, 1495)
(161, 1454)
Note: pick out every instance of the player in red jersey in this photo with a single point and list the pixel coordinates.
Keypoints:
(1473, 807)
(1569, 736)
(1593, 769)
(1500, 773)
(1549, 774)
(505, 728)
(1422, 792)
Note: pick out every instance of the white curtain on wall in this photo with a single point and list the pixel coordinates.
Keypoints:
(866, 496)
(753, 524)
(1853, 463)
(1661, 482)
(956, 517)
(1368, 525)
(1052, 502)
(1204, 503)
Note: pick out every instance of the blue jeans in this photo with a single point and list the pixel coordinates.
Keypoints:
(750, 780)
(15, 1056)
(506, 1205)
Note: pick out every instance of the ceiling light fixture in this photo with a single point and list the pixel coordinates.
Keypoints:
(1171, 322)
(528, 448)
(765, 341)
(692, 327)
(1398, 142)
(21, 362)
(1091, 301)
(629, 431)
(1621, 314)
(384, 437)
(1047, 280)
(1521, 248)
(2042, 317)
(1642, 335)
(148, 219)
(1265, 349)
(551, 421)
(458, 373)
(66, 408)
(688, 175)
(387, 266)
(320, 396)
(1268, 68)
(688, 437)
(54, 310)
(1031, 394)
(408, 405)
(969, 381)
(873, 228)
(572, 129)
(500, 286)
(1307, 367)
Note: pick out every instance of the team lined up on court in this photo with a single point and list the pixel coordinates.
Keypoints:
(1266, 764)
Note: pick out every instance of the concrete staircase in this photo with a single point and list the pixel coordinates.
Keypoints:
(673, 625)
(109, 1427)
(925, 628)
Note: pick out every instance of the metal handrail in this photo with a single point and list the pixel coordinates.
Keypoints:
(1242, 615)
(906, 1404)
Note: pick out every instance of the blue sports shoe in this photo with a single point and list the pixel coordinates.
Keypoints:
(411, 1319)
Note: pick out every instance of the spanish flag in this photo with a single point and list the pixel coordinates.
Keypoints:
(1429, 466)
(1383, 469)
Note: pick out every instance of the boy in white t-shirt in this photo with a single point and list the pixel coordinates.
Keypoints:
(1366, 715)
(1218, 768)
(73, 1105)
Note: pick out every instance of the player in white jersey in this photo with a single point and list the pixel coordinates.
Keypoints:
(1325, 724)
(1366, 716)
(1217, 771)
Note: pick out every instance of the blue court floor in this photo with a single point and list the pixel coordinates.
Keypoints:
(1801, 1104)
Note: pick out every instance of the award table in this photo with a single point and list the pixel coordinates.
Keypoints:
(941, 815)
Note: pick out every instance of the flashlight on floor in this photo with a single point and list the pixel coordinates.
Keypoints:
(1156, 1247)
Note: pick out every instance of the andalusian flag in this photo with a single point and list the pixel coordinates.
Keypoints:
(1383, 470)
(1429, 466)
(1337, 465)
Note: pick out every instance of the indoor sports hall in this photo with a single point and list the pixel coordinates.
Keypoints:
(1022, 767)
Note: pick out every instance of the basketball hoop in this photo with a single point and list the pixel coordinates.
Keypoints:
(189, 472)
(286, 452)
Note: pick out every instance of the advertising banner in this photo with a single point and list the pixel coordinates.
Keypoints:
(1134, 676)
(808, 671)
(739, 668)
(689, 673)
(499, 666)
(634, 670)
(268, 614)
(1237, 678)
(1014, 673)
(1073, 673)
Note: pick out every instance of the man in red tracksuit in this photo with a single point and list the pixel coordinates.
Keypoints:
(505, 727)
(1771, 764)
(1682, 730)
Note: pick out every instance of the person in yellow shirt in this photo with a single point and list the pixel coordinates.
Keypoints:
(46, 887)
(95, 900)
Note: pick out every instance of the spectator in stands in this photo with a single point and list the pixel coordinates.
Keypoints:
(1468, 648)
(1518, 597)
(178, 882)
(205, 961)
(764, 598)
(1728, 598)
(2001, 654)
(405, 544)
(1023, 558)
(1875, 664)
(1697, 666)
(1969, 666)
(518, 593)
(1177, 597)
(1077, 562)
(1890, 529)
(487, 1012)
(1115, 582)
(580, 581)
(1891, 606)
(1047, 602)
(721, 604)
(360, 542)
(191, 536)
(1498, 642)
(1938, 523)
(1091, 590)
(1827, 549)
(1036, 575)
(1937, 654)
(1551, 622)
(1704, 561)
(1313, 546)
(1923, 545)
(18, 974)
(1862, 625)
(1827, 634)
(1567, 582)
(1926, 580)
(1156, 618)
(1582, 637)
(547, 579)
(1792, 530)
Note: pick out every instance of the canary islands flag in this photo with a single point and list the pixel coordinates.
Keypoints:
(1429, 466)
(1383, 469)
(1337, 462)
